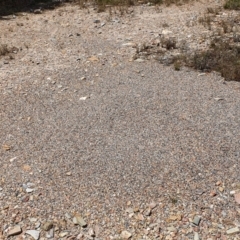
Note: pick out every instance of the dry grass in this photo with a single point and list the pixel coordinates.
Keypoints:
(4, 50)
(232, 4)
(103, 4)
(221, 57)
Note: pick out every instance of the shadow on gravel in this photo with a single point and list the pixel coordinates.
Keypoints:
(8, 7)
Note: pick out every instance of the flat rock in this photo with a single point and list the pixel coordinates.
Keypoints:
(139, 60)
(33, 233)
(196, 220)
(234, 230)
(29, 190)
(15, 231)
(152, 205)
(130, 44)
(171, 229)
(126, 235)
(50, 233)
(63, 234)
(78, 220)
(129, 210)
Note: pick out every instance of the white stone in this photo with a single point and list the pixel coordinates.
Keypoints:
(29, 190)
(34, 233)
(83, 98)
(166, 32)
(233, 231)
(196, 236)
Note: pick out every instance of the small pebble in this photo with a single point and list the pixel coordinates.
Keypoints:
(196, 220)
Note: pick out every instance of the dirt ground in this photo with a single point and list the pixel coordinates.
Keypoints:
(99, 144)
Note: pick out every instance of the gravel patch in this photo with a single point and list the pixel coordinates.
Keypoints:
(94, 146)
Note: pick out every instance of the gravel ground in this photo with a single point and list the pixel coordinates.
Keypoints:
(137, 149)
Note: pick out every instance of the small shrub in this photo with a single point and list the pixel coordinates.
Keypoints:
(221, 57)
(177, 65)
(3, 49)
(169, 43)
(232, 4)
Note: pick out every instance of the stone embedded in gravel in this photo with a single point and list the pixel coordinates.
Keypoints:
(232, 192)
(139, 60)
(126, 235)
(67, 215)
(218, 99)
(12, 159)
(63, 234)
(78, 220)
(93, 59)
(196, 236)
(32, 219)
(152, 205)
(221, 189)
(213, 193)
(6, 147)
(140, 217)
(68, 173)
(237, 197)
(196, 220)
(148, 212)
(91, 232)
(33, 233)
(29, 184)
(129, 210)
(166, 32)
(37, 225)
(130, 44)
(174, 218)
(50, 233)
(29, 190)
(234, 230)
(15, 231)
(37, 11)
(171, 229)
(47, 226)
(83, 98)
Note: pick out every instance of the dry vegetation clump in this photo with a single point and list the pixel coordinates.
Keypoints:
(221, 57)
(4, 50)
(103, 4)
(232, 4)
